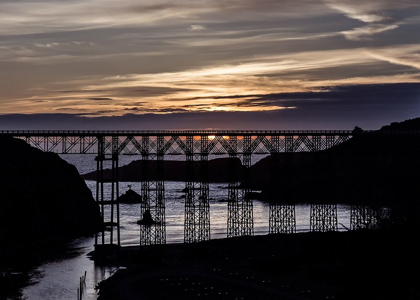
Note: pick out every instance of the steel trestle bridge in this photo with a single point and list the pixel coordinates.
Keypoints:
(196, 146)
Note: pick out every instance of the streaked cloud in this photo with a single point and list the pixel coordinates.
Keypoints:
(378, 14)
(105, 58)
(197, 28)
(207, 89)
(361, 33)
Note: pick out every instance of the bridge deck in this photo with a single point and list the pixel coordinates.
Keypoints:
(175, 142)
(170, 132)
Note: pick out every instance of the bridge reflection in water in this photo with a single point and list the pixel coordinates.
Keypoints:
(196, 146)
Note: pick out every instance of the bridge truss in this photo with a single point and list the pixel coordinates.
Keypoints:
(153, 146)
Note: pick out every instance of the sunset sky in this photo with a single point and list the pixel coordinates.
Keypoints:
(199, 64)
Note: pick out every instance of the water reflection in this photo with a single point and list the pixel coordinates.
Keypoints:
(60, 278)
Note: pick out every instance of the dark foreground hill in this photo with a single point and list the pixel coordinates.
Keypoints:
(362, 265)
(371, 168)
(44, 203)
(43, 199)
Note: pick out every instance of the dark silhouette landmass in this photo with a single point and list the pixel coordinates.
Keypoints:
(174, 171)
(355, 265)
(412, 124)
(44, 204)
(129, 197)
(370, 169)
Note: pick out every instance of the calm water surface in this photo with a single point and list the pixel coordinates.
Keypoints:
(60, 279)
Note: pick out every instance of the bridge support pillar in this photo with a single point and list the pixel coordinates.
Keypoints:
(153, 193)
(282, 216)
(110, 210)
(197, 207)
(240, 206)
(323, 218)
(363, 217)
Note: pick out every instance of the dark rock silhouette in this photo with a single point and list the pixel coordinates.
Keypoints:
(44, 203)
(412, 124)
(147, 219)
(174, 171)
(129, 197)
(371, 169)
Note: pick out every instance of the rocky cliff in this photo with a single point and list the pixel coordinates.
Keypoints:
(370, 169)
(44, 202)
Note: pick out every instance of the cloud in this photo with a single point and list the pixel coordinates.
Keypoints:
(378, 14)
(339, 107)
(341, 95)
(208, 88)
(51, 45)
(57, 16)
(100, 99)
(197, 28)
(362, 33)
(192, 55)
(407, 55)
(9, 52)
(359, 12)
(58, 44)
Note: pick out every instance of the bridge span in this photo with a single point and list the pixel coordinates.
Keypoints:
(196, 146)
(173, 142)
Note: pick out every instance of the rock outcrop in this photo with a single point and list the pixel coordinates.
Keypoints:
(370, 169)
(44, 202)
(173, 171)
(412, 124)
(129, 197)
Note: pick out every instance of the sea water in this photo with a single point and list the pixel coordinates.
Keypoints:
(60, 279)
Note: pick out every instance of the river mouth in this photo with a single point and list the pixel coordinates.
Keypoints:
(59, 277)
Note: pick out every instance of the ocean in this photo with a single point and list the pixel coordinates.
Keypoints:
(59, 279)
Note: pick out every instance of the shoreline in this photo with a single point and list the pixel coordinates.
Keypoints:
(22, 271)
(334, 265)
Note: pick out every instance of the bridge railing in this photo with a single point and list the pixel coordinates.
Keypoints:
(170, 132)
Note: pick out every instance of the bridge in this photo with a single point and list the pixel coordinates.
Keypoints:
(196, 146)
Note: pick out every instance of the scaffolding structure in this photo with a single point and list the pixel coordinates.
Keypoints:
(153, 191)
(282, 213)
(107, 201)
(363, 217)
(197, 207)
(324, 215)
(240, 207)
(197, 145)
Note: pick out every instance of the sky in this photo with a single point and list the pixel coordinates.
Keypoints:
(208, 64)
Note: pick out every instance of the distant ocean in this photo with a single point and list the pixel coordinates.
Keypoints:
(60, 279)
(130, 213)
